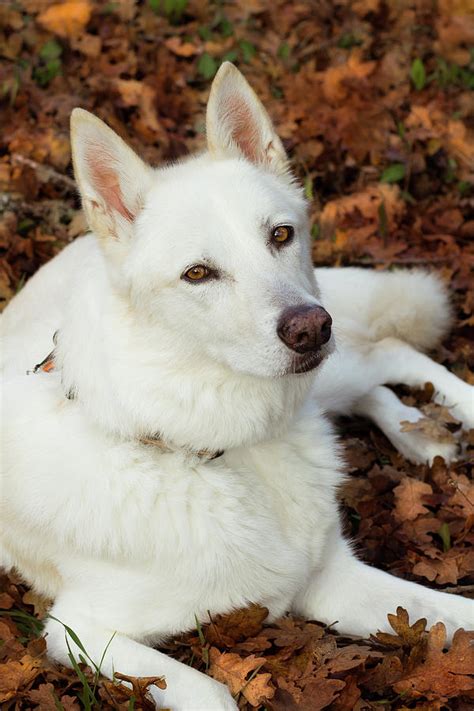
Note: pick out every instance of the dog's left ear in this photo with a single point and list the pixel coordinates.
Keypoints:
(238, 125)
(112, 179)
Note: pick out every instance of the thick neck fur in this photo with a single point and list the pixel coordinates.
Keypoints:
(136, 379)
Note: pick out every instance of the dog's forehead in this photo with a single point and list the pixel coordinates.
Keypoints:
(233, 189)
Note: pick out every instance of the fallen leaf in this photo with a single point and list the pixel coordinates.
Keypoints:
(408, 499)
(46, 699)
(16, 675)
(406, 635)
(443, 571)
(232, 670)
(236, 626)
(181, 49)
(40, 603)
(66, 19)
(443, 674)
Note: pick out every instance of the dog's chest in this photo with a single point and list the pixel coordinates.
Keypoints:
(248, 527)
(174, 537)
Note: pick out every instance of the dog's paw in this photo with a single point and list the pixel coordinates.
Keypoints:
(420, 449)
(457, 612)
(200, 694)
(463, 410)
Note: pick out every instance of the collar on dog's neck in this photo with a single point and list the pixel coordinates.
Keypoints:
(47, 365)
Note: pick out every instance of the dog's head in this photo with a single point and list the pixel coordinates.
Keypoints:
(214, 250)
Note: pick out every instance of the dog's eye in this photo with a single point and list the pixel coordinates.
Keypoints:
(282, 234)
(196, 273)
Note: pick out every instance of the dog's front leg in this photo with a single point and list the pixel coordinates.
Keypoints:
(388, 412)
(395, 361)
(357, 597)
(186, 688)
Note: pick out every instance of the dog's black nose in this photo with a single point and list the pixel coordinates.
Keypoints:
(304, 328)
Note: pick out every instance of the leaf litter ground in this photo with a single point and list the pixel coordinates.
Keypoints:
(374, 101)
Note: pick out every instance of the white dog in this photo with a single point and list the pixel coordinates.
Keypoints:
(177, 460)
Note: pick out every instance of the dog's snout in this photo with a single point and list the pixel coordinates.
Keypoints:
(304, 328)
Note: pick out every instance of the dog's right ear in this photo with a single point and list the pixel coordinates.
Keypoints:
(112, 179)
(237, 124)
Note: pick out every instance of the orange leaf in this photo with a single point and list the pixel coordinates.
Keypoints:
(408, 499)
(67, 19)
(232, 670)
(14, 676)
(442, 675)
(181, 49)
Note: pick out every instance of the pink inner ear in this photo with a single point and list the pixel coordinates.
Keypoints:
(244, 132)
(106, 182)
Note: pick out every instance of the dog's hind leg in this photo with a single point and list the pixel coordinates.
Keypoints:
(356, 598)
(395, 361)
(385, 409)
(186, 688)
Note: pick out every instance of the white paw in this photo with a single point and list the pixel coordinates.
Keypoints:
(464, 410)
(456, 612)
(198, 694)
(459, 399)
(420, 449)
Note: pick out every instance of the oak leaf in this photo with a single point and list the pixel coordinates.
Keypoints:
(16, 675)
(406, 635)
(232, 670)
(443, 570)
(443, 674)
(45, 697)
(439, 424)
(408, 499)
(318, 693)
(236, 626)
(350, 657)
(433, 429)
(137, 689)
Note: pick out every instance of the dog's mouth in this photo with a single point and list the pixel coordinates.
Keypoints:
(303, 363)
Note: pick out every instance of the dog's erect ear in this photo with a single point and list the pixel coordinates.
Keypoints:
(238, 125)
(112, 179)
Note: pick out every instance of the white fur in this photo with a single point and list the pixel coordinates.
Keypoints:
(133, 540)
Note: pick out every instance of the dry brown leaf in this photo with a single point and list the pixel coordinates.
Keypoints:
(406, 635)
(232, 670)
(259, 690)
(16, 675)
(66, 19)
(6, 601)
(320, 692)
(40, 603)
(443, 674)
(463, 496)
(181, 49)
(350, 657)
(433, 429)
(359, 213)
(46, 699)
(444, 570)
(236, 626)
(87, 44)
(408, 499)
(335, 79)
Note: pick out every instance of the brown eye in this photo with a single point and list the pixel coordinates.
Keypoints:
(282, 233)
(196, 273)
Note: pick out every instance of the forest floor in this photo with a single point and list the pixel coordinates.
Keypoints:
(374, 102)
